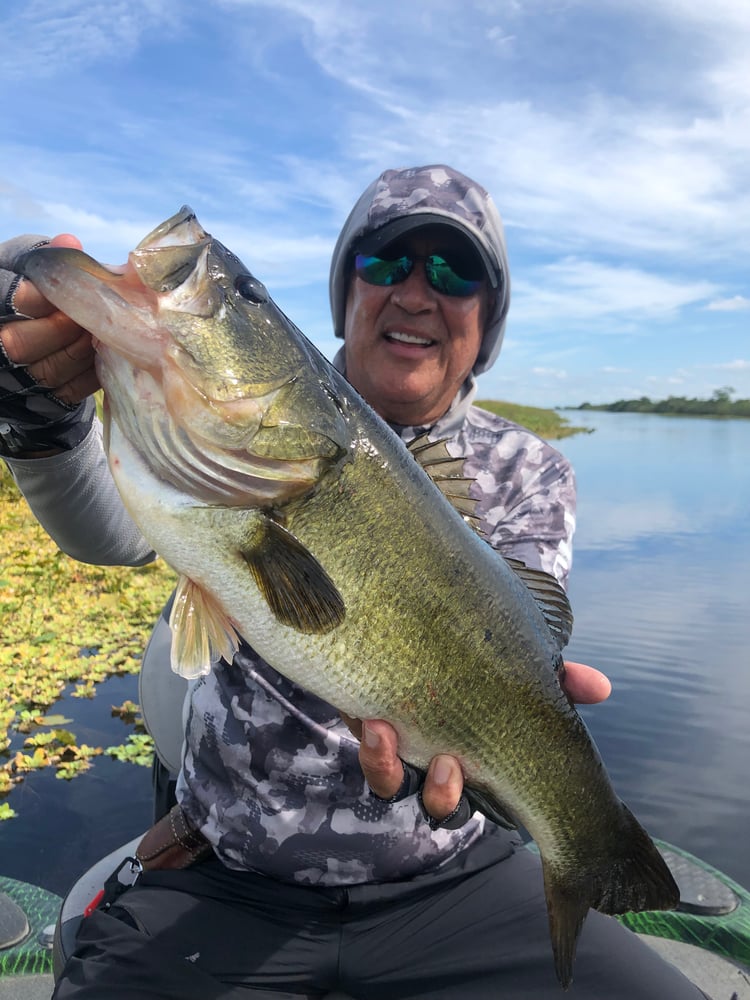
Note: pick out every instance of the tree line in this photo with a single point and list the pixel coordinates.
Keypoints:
(720, 404)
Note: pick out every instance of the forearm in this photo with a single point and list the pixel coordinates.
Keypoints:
(74, 498)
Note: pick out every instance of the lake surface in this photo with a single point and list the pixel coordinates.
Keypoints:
(661, 595)
(661, 598)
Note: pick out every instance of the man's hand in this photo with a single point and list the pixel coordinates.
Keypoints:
(444, 783)
(55, 351)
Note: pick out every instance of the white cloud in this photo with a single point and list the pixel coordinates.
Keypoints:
(50, 35)
(733, 304)
(586, 290)
(738, 365)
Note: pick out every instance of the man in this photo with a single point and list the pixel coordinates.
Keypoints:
(325, 862)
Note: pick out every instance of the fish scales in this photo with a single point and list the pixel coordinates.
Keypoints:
(295, 517)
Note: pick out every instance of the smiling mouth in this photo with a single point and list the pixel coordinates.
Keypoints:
(408, 338)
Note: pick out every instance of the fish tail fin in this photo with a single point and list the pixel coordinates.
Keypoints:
(638, 877)
(635, 878)
(566, 908)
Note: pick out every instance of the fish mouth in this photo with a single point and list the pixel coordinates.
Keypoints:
(181, 229)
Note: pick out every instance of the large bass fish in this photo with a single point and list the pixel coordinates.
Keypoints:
(299, 520)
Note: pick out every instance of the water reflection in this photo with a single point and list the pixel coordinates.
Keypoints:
(659, 589)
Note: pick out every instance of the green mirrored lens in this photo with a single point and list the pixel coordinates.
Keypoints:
(444, 279)
(377, 271)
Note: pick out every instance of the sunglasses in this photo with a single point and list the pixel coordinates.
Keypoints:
(444, 276)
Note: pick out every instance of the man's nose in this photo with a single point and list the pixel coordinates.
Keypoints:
(415, 294)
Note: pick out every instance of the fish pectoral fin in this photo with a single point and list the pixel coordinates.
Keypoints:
(295, 586)
(484, 802)
(201, 631)
(632, 878)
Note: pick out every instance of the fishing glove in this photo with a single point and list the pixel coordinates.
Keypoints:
(31, 416)
(412, 784)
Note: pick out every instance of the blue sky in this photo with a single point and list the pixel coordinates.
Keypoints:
(614, 136)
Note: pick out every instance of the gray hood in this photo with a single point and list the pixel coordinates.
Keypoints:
(407, 198)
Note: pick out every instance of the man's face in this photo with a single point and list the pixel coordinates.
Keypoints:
(409, 347)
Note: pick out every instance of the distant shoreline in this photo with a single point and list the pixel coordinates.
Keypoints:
(720, 404)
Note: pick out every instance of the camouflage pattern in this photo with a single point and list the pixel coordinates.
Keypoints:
(271, 774)
(403, 199)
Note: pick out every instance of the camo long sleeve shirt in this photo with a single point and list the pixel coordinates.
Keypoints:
(271, 774)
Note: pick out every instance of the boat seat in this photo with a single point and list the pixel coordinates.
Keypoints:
(162, 696)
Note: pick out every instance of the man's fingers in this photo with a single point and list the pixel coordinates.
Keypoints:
(27, 342)
(66, 240)
(77, 389)
(384, 770)
(27, 299)
(66, 364)
(443, 786)
(378, 756)
(30, 302)
(585, 685)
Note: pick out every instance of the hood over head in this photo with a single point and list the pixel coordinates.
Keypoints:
(408, 198)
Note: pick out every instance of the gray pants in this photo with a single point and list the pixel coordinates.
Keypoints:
(475, 931)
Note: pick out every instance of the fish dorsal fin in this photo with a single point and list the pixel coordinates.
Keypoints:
(551, 598)
(295, 586)
(447, 473)
(201, 631)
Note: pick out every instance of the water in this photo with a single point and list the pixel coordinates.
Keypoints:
(661, 599)
(63, 827)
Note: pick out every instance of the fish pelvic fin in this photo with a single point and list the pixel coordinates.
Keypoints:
(637, 878)
(201, 631)
(295, 586)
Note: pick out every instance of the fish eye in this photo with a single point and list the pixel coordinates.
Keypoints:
(251, 289)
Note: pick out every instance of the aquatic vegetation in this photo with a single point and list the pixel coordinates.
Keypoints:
(67, 626)
(548, 424)
(139, 749)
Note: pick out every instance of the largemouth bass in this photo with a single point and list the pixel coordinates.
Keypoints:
(297, 519)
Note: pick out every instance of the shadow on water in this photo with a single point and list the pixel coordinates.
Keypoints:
(660, 595)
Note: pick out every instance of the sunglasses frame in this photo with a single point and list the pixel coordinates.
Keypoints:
(435, 265)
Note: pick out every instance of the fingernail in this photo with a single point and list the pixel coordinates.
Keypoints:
(371, 737)
(442, 770)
